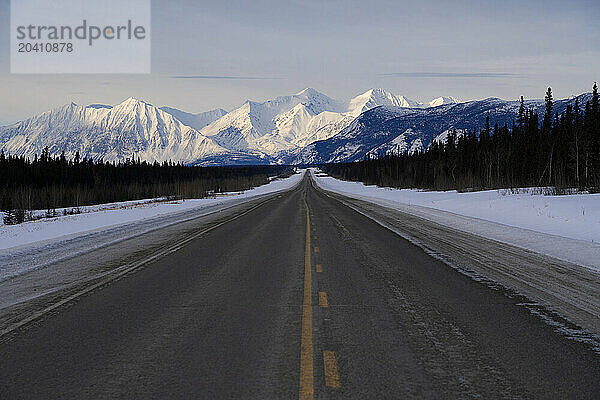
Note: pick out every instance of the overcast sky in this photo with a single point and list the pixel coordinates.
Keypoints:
(258, 49)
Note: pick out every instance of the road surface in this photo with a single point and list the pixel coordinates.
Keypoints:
(299, 296)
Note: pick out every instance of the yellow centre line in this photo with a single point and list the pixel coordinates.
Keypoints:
(323, 299)
(307, 389)
(332, 376)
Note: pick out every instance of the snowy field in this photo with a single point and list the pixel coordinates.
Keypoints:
(566, 227)
(104, 216)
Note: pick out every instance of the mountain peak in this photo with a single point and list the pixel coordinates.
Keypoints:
(309, 92)
(71, 104)
(378, 91)
(318, 102)
(379, 97)
(68, 107)
(442, 100)
(132, 101)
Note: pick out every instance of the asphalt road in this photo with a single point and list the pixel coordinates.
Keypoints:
(301, 297)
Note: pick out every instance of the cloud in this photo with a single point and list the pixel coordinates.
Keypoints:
(453, 75)
(222, 77)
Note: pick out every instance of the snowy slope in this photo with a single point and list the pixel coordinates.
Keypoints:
(409, 140)
(565, 227)
(381, 97)
(442, 100)
(196, 121)
(131, 128)
(378, 97)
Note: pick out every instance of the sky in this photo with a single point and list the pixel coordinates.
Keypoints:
(217, 54)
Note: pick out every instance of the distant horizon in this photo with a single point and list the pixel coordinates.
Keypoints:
(3, 123)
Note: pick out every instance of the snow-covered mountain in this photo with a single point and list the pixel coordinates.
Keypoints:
(131, 128)
(442, 100)
(306, 127)
(282, 124)
(286, 124)
(409, 140)
(378, 97)
(255, 132)
(388, 129)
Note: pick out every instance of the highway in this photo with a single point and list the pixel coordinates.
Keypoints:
(296, 297)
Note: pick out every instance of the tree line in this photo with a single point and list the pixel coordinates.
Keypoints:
(48, 183)
(562, 151)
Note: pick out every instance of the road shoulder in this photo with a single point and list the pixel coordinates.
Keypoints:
(564, 294)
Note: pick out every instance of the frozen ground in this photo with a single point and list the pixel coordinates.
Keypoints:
(34, 244)
(566, 227)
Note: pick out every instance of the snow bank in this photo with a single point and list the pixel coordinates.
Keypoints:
(98, 217)
(565, 227)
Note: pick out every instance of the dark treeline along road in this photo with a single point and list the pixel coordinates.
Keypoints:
(55, 182)
(563, 151)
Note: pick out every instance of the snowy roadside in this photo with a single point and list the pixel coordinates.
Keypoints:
(33, 244)
(565, 227)
(107, 215)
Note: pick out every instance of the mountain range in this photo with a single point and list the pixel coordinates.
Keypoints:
(306, 127)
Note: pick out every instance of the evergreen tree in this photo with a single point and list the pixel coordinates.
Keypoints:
(595, 105)
(547, 144)
(594, 141)
(547, 124)
(575, 144)
(521, 115)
